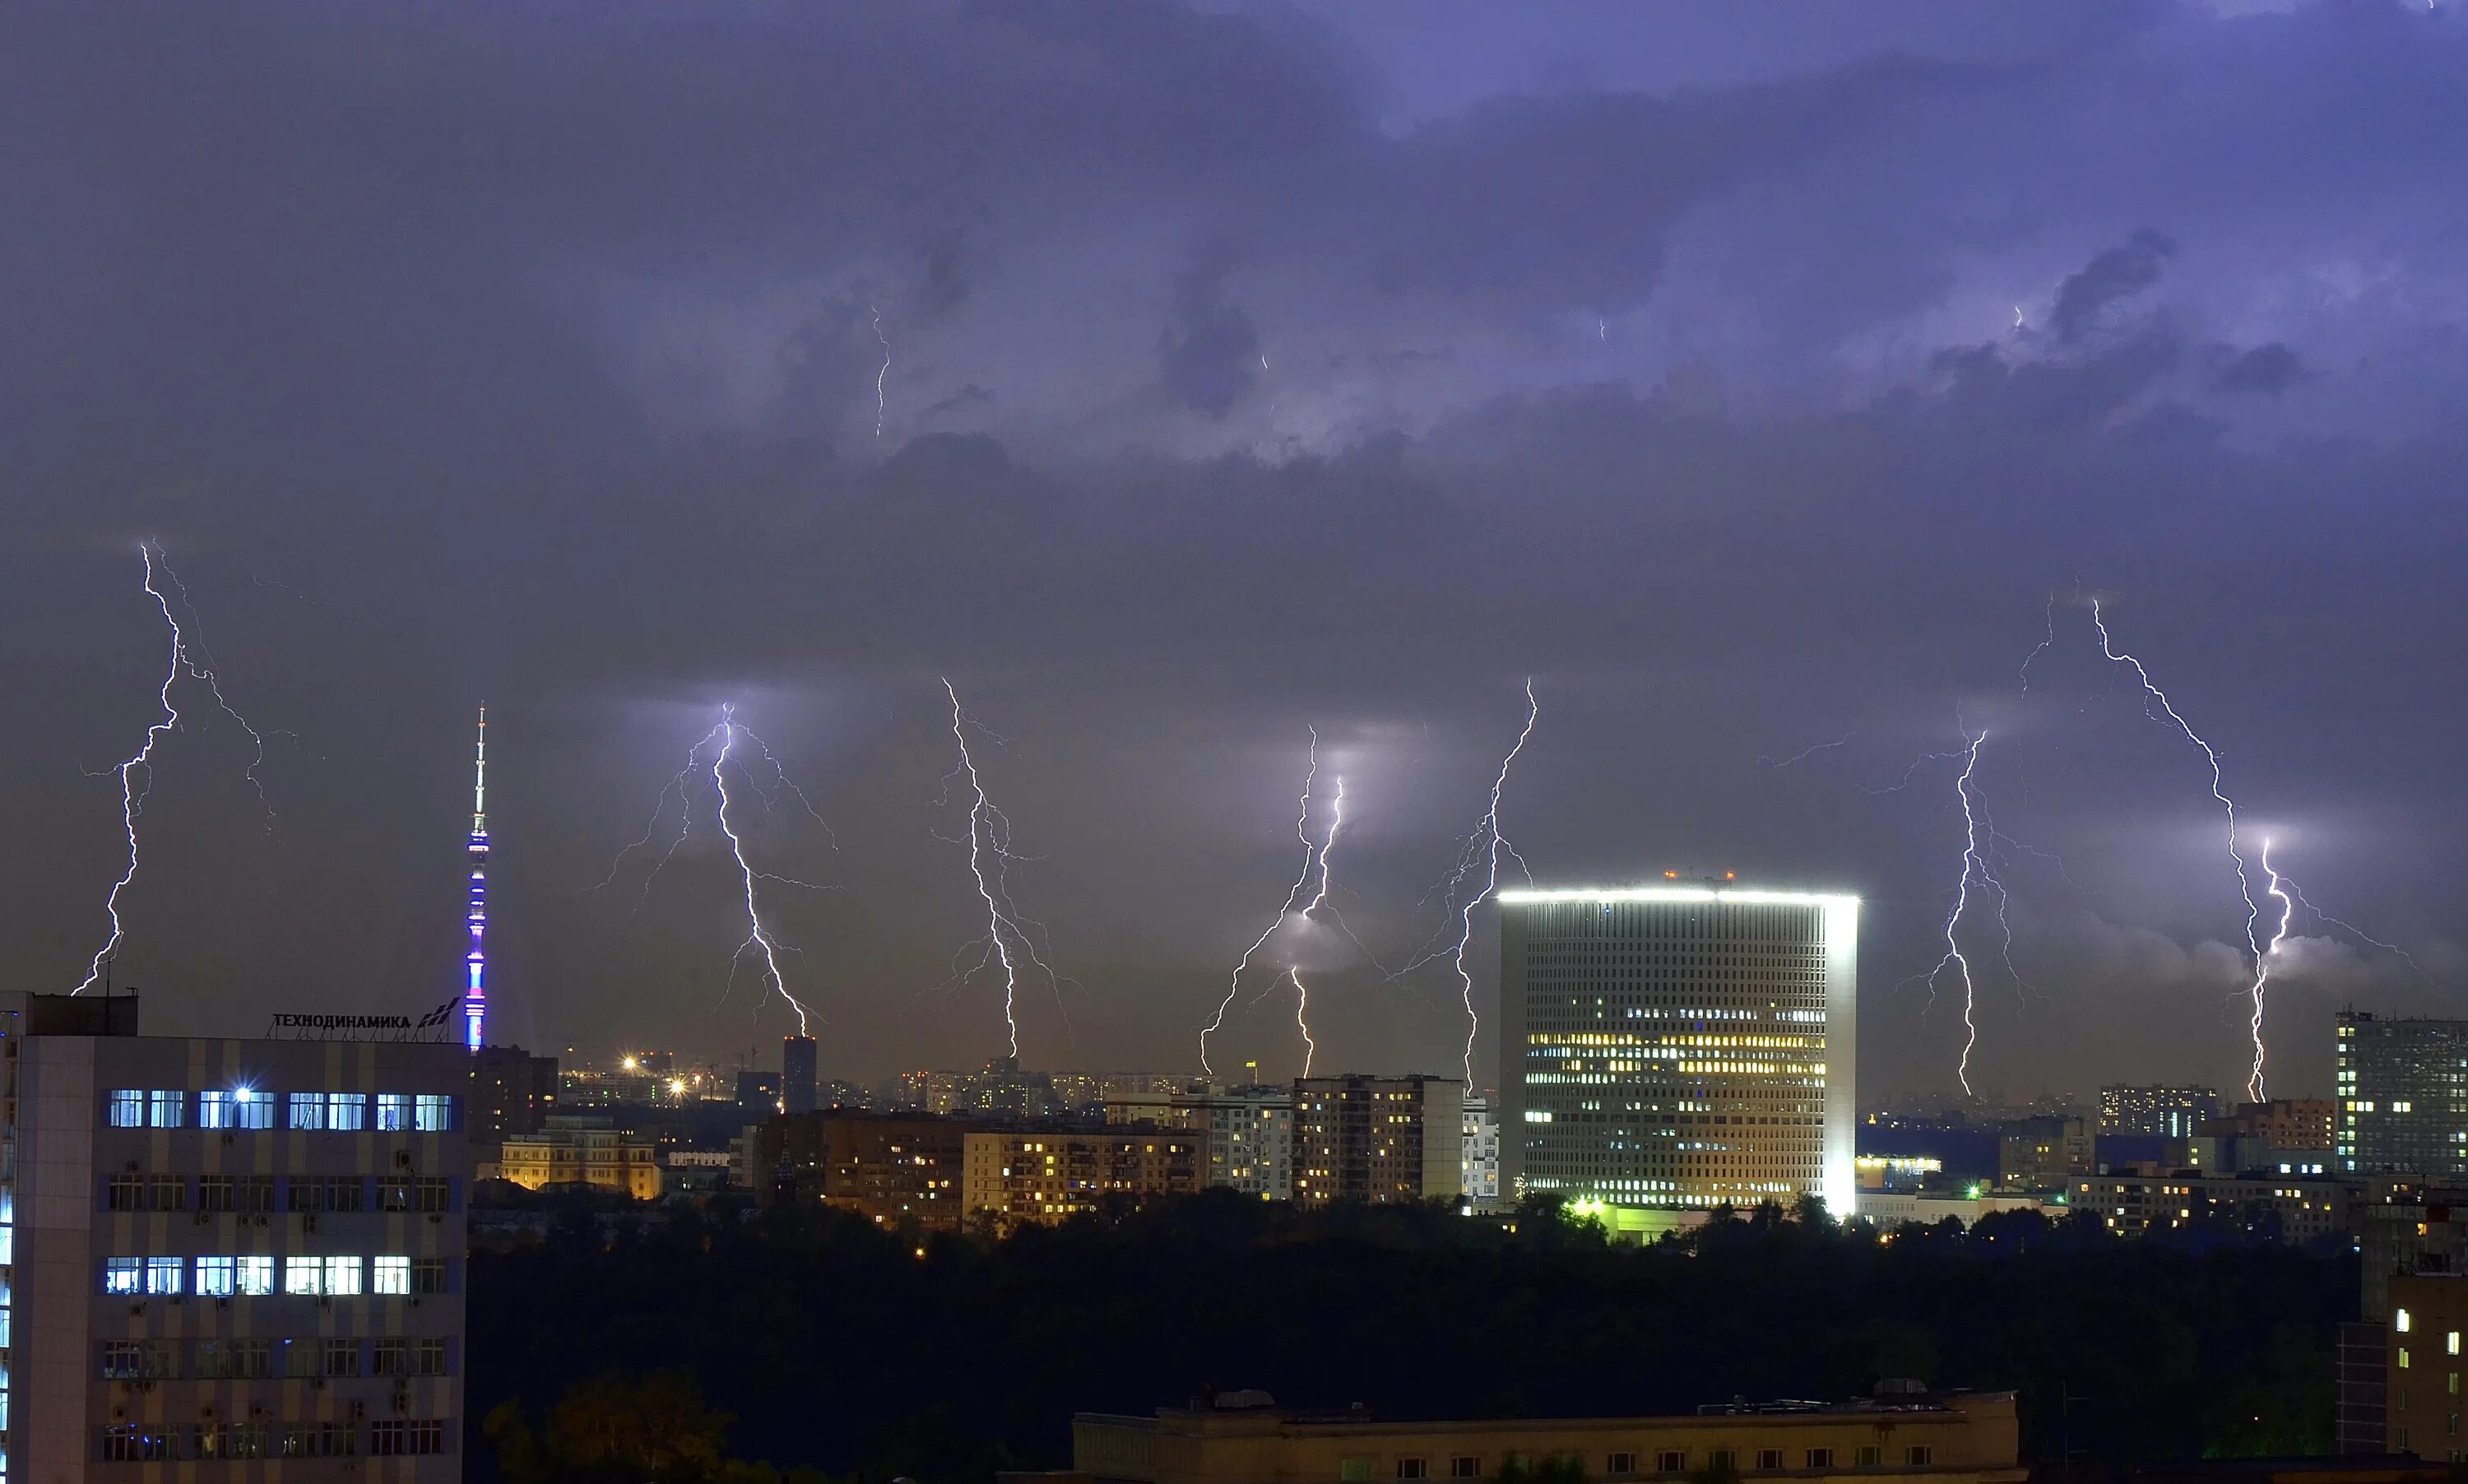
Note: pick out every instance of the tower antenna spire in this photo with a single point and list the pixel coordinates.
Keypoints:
(475, 1000)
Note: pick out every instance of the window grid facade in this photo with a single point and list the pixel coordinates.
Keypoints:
(1678, 1053)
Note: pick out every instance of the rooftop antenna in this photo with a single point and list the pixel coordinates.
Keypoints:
(475, 1000)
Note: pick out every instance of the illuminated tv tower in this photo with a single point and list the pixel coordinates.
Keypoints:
(475, 1002)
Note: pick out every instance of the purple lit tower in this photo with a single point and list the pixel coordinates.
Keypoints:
(475, 1002)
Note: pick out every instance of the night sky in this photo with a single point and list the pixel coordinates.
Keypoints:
(1751, 377)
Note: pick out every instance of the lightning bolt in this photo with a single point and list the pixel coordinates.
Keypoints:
(1302, 1005)
(1805, 753)
(1293, 894)
(756, 937)
(727, 732)
(2262, 970)
(133, 794)
(1971, 864)
(2245, 886)
(2352, 928)
(990, 834)
(1486, 831)
(882, 376)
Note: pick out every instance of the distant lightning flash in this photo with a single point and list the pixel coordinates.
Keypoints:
(1486, 831)
(1293, 894)
(1805, 753)
(1972, 864)
(2245, 886)
(1007, 933)
(879, 376)
(133, 794)
(756, 937)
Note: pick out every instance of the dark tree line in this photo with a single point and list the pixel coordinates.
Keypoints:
(816, 1341)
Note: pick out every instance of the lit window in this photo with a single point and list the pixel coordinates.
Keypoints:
(122, 1275)
(432, 1112)
(307, 1110)
(2401, 1323)
(342, 1275)
(252, 1109)
(214, 1110)
(393, 1275)
(304, 1275)
(215, 1277)
(346, 1112)
(2452, 1341)
(166, 1109)
(163, 1274)
(255, 1274)
(126, 1108)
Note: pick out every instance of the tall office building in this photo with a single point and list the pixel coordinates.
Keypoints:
(2403, 1095)
(797, 1074)
(227, 1252)
(1676, 1046)
(1378, 1139)
(2164, 1112)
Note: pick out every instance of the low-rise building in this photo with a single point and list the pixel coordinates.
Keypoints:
(1890, 1209)
(1022, 1176)
(574, 1149)
(1378, 1139)
(2293, 1208)
(1242, 1438)
(1480, 1180)
(1248, 1131)
(893, 1169)
(2044, 1152)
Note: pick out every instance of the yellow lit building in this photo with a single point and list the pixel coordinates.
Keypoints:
(1024, 1177)
(1905, 1438)
(2429, 1312)
(580, 1150)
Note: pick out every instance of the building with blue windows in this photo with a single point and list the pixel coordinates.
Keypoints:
(227, 1254)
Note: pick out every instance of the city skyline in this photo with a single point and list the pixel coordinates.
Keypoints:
(1779, 406)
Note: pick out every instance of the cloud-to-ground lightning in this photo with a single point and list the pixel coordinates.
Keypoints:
(133, 792)
(1490, 843)
(2262, 968)
(1008, 938)
(1302, 1018)
(756, 936)
(726, 733)
(1971, 865)
(2151, 693)
(1293, 895)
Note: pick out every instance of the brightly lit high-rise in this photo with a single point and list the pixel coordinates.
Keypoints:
(1672, 1047)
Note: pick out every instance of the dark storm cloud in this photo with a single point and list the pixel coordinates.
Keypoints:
(541, 344)
(2268, 369)
(2087, 296)
(1210, 358)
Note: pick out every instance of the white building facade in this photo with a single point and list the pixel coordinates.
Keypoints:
(1678, 1047)
(228, 1259)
